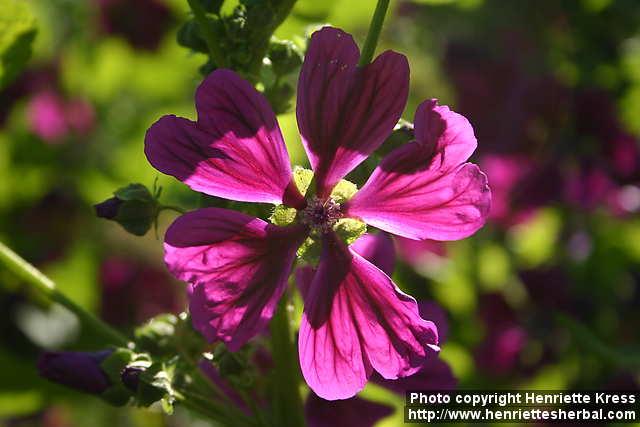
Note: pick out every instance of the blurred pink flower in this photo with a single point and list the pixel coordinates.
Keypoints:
(46, 115)
(53, 118)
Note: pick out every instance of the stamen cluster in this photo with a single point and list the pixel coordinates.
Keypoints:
(321, 215)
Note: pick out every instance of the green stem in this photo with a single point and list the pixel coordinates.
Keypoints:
(288, 410)
(374, 32)
(215, 53)
(177, 209)
(41, 283)
(261, 37)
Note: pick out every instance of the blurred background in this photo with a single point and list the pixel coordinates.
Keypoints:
(546, 296)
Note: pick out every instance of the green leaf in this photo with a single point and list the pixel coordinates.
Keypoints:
(17, 32)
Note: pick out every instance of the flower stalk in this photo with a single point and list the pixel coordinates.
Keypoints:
(41, 283)
(374, 32)
(288, 410)
(206, 31)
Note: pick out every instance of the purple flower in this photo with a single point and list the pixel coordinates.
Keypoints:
(77, 370)
(355, 320)
(434, 375)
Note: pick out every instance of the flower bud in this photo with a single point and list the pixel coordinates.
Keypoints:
(79, 370)
(285, 57)
(131, 377)
(108, 209)
(133, 207)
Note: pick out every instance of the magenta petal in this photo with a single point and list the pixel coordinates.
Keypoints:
(345, 112)
(378, 249)
(356, 321)
(237, 267)
(235, 150)
(304, 277)
(423, 189)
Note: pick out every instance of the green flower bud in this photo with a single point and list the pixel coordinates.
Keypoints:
(285, 56)
(133, 207)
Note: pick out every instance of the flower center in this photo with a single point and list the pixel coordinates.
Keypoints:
(321, 215)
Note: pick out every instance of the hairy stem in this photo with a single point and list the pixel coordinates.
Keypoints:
(374, 32)
(288, 410)
(215, 54)
(261, 37)
(41, 283)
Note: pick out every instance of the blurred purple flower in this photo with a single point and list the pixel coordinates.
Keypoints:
(588, 188)
(56, 215)
(548, 287)
(506, 172)
(238, 266)
(143, 23)
(534, 105)
(79, 370)
(133, 292)
(352, 412)
(504, 339)
(33, 80)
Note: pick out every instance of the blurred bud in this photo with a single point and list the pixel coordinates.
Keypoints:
(285, 57)
(133, 207)
(131, 377)
(79, 370)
